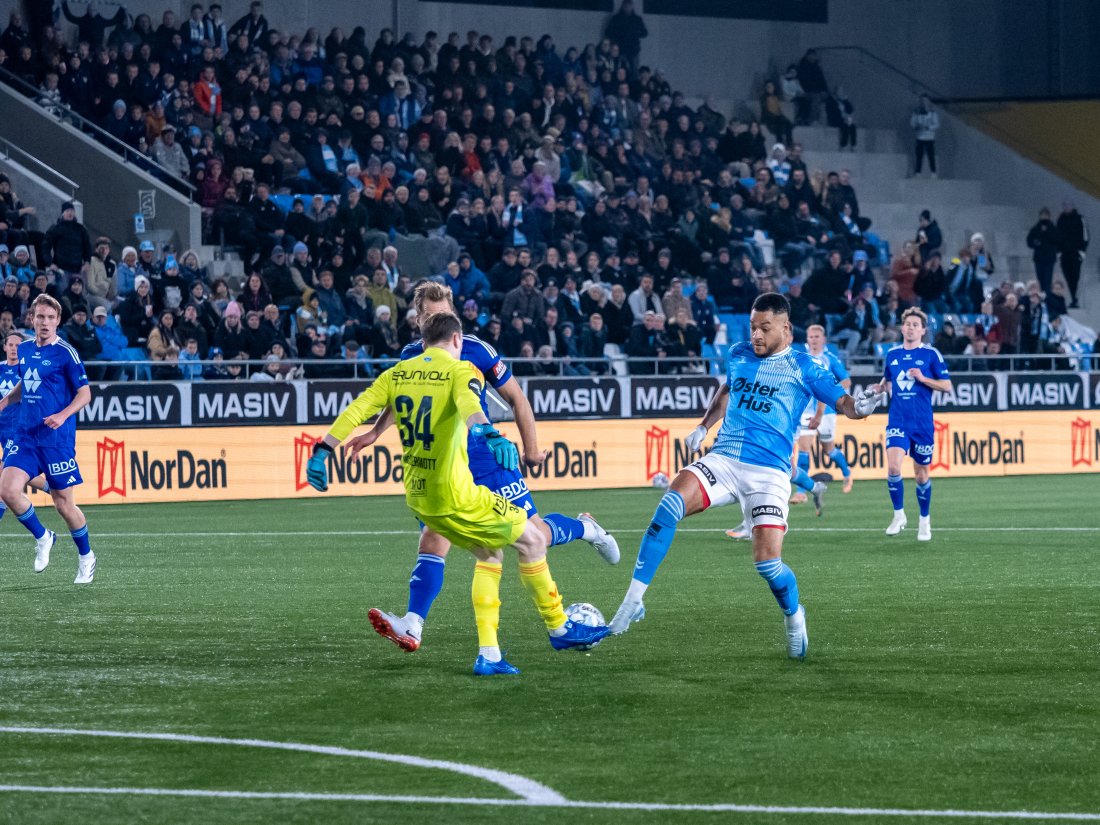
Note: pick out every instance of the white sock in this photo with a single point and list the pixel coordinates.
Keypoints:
(590, 531)
(414, 622)
(636, 591)
(490, 654)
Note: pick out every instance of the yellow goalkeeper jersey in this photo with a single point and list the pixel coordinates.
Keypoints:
(432, 395)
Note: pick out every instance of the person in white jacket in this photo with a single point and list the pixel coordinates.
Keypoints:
(925, 122)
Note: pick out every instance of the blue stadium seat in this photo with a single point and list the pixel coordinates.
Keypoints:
(715, 361)
(737, 326)
(884, 347)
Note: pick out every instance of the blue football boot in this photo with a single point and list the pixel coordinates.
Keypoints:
(579, 636)
(483, 667)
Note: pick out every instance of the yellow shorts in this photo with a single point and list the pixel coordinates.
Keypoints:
(491, 521)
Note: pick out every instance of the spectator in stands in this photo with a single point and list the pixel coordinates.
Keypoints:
(929, 235)
(525, 299)
(965, 290)
(1042, 240)
(22, 266)
(73, 298)
(931, 285)
(904, 270)
(983, 261)
(112, 341)
(644, 300)
(685, 339)
(1073, 240)
(827, 287)
(649, 344)
(593, 340)
(190, 327)
(704, 311)
(67, 246)
(925, 122)
(812, 79)
(1009, 315)
(230, 337)
(626, 29)
(170, 155)
(79, 332)
(1070, 335)
(779, 165)
(1035, 328)
(771, 114)
(985, 324)
(164, 339)
(856, 330)
(1056, 299)
(381, 294)
(840, 114)
(384, 340)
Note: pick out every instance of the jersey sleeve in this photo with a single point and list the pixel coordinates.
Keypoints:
(938, 366)
(75, 372)
(821, 383)
(466, 390)
(488, 361)
(372, 400)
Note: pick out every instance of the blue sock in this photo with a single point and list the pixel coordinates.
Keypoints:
(3, 509)
(897, 491)
(837, 456)
(781, 580)
(804, 461)
(80, 539)
(30, 520)
(658, 537)
(924, 497)
(563, 529)
(425, 583)
(802, 480)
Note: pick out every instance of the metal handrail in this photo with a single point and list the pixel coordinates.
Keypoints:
(936, 95)
(10, 149)
(128, 153)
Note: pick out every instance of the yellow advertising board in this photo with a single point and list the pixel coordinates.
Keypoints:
(223, 463)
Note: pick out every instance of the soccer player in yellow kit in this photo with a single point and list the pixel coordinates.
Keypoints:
(435, 397)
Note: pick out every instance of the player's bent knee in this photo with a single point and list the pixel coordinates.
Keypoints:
(433, 544)
(531, 545)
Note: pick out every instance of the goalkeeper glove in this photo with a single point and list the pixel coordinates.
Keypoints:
(695, 438)
(317, 467)
(503, 450)
(867, 401)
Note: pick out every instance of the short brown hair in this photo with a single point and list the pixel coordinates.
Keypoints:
(913, 312)
(49, 301)
(431, 291)
(440, 327)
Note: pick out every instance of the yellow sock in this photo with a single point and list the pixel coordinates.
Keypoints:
(539, 583)
(485, 592)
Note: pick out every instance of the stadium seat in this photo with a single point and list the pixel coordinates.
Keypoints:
(737, 326)
(884, 347)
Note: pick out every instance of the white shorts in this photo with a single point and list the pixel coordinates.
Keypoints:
(763, 492)
(826, 430)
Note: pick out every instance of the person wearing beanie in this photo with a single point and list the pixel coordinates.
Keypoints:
(67, 246)
(929, 236)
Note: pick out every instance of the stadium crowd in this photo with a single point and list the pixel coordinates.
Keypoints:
(592, 210)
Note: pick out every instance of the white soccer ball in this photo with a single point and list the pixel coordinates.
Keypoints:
(584, 613)
(660, 481)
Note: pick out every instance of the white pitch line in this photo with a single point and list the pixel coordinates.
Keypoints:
(528, 803)
(794, 530)
(528, 789)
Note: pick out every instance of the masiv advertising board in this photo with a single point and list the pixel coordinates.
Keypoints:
(269, 461)
(222, 403)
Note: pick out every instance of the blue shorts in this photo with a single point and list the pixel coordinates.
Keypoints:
(57, 462)
(508, 484)
(916, 445)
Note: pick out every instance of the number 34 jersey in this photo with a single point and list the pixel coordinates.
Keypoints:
(431, 395)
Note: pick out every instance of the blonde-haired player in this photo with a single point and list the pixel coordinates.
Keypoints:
(435, 397)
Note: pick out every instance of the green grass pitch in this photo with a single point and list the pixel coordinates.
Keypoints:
(958, 674)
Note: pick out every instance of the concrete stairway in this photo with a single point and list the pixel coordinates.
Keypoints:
(893, 201)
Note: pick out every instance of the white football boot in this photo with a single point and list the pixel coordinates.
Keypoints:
(42, 548)
(604, 543)
(85, 568)
(897, 524)
(924, 528)
(797, 640)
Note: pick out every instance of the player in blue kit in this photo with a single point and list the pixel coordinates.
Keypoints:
(825, 427)
(912, 372)
(768, 385)
(52, 388)
(427, 575)
(9, 417)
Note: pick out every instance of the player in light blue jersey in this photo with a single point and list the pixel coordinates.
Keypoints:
(52, 388)
(768, 385)
(9, 416)
(426, 580)
(911, 373)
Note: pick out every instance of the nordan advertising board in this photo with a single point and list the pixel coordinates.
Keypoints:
(222, 463)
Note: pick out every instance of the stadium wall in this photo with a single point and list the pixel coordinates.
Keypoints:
(233, 463)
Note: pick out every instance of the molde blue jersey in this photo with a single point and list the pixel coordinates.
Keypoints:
(496, 373)
(829, 360)
(911, 401)
(9, 418)
(767, 397)
(51, 376)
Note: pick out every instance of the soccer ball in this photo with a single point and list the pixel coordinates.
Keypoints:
(660, 481)
(584, 613)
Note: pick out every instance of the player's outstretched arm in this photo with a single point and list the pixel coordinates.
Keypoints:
(361, 442)
(512, 393)
(372, 400)
(861, 405)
